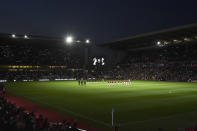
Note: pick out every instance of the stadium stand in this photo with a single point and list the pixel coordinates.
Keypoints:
(168, 55)
(174, 63)
(13, 118)
(36, 59)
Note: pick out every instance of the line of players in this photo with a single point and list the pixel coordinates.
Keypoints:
(82, 82)
(119, 83)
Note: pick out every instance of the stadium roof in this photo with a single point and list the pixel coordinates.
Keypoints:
(29, 39)
(173, 35)
(19, 36)
(44, 41)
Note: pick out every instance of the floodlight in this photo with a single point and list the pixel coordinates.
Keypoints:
(87, 41)
(25, 36)
(158, 43)
(13, 36)
(69, 39)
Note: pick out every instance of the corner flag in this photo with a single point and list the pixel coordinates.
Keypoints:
(113, 116)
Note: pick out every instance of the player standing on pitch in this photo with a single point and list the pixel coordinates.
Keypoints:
(129, 82)
(82, 82)
(85, 82)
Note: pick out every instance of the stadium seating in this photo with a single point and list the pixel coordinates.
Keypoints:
(42, 62)
(34, 55)
(13, 118)
(171, 63)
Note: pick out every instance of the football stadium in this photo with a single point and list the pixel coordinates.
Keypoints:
(145, 82)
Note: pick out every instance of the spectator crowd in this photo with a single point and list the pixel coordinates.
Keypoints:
(170, 63)
(16, 119)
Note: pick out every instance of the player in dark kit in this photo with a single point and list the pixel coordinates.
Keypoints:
(82, 82)
(79, 82)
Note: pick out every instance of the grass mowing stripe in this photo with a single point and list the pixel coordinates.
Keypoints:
(158, 118)
(71, 112)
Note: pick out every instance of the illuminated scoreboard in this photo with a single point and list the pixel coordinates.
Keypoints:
(98, 61)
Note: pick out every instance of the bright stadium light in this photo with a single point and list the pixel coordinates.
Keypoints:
(159, 43)
(13, 36)
(87, 41)
(25, 36)
(69, 39)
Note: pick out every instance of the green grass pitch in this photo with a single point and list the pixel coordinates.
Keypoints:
(144, 105)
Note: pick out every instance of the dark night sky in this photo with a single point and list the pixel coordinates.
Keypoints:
(99, 20)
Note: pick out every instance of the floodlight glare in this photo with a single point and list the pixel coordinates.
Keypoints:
(69, 39)
(13, 36)
(158, 43)
(87, 41)
(25, 36)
